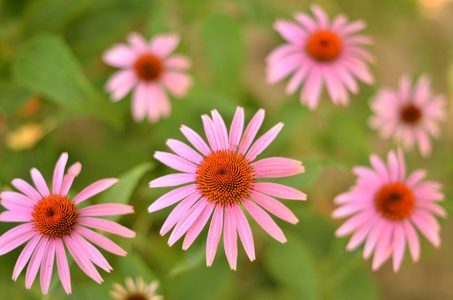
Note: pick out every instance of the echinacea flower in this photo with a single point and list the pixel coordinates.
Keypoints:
(385, 207)
(223, 179)
(138, 290)
(53, 220)
(411, 115)
(151, 69)
(319, 52)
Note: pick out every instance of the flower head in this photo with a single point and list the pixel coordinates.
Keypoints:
(319, 51)
(385, 207)
(138, 290)
(223, 178)
(150, 68)
(411, 115)
(53, 220)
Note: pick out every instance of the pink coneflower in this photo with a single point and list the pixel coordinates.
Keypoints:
(385, 206)
(409, 114)
(150, 69)
(53, 220)
(223, 179)
(320, 52)
(138, 290)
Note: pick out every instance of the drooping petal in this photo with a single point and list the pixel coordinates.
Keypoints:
(47, 266)
(214, 233)
(100, 240)
(172, 197)
(198, 225)
(35, 262)
(279, 190)
(230, 237)
(106, 225)
(244, 231)
(274, 206)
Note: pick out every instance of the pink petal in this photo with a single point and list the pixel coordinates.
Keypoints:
(186, 221)
(121, 83)
(401, 165)
(62, 265)
(230, 238)
(198, 225)
(100, 240)
(35, 262)
(177, 83)
(220, 128)
(274, 167)
(274, 206)
(195, 139)
(178, 212)
(106, 209)
(264, 220)
(162, 45)
(312, 89)
(251, 131)
(13, 216)
(17, 199)
(392, 162)
(415, 177)
(280, 52)
(172, 197)
(215, 231)
(26, 188)
(184, 151)
(279, 190)
(210, 132)
(47, 266)
(428, 229)
(91, 252)
(383, 247)
(306, 21)
(172, 180)
(237, 125)
(404, 88)
(283, 68)
(25, 255)
(59, 173)
(298, 77)
(120, 56)
(244, 231)
(15, 237)
(39, 182)
(424, 143)
(432, 208)
(140, 101)
(107, 226)
(353, 27)
(265, 140)
(158, 103)
(94, 189)
(412, 240)
(375, 232)
(73, 172)
(177, 62)
(399, 245)
(361, 233)
(290, 32)
(351, 209)
(175, 162)
(323, 19)
(380, 168)
(354, 222)
(138, 43)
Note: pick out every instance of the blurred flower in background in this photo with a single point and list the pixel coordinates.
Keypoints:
(151, 70)
(52, 220)
(319, 52)
(222, 179)
(411, 115)
(138, 290)
(385, 207)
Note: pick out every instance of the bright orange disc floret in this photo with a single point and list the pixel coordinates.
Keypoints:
(324, 45)
(395, 201)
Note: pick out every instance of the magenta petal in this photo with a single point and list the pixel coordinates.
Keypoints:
(251, 131)
(35, 262)
(140, 101)
(290, 32)
(100, 240)
(17, 199)
(178, 212)
(361, 233)
(198, 225)
(263, 142)
(412, 240)
(120, 56)
(264, 220)
(274, 167)
(184, 151)
(428, 229)
(107, 209)
(15, 237)
(399, 245)
(210, 132)
(62, 265)
(186, 221)
(47, 266)
(39, 182)
(353, 223)
(274, 206)
(373, 237)
(26, 188)
(14, 216)
(279, 190)
(138, 43)
(237, 125)
(175, 162)
(25, 256)
(162, 45)
(94, 189)
(195, 139)
(172, 197)
(177, 62)
(230, 237)
(173, 180)
(177, 83)
(220, 128)
(58, 173)
(73, 172)
(106, 225)
(244, 231)
(383, 247)
(214, 233)
(93, 254)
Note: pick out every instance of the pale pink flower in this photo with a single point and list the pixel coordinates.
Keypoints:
(151, 69)
(138, 290)
(224, 178)
(52, 220)
(411, 115)
(320, 52)
(385, 207)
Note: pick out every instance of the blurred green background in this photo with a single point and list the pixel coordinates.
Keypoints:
(52, 100)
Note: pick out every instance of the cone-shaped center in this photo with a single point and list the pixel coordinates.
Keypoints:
(411, 114)
(136, 297)
(225, 177)
(148, 67)
(395, 201)
(55, 216)
(324, 45)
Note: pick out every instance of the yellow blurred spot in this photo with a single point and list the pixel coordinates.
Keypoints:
(431, 8)
(25, 137)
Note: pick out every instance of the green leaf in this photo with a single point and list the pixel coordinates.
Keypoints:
(292, 266)
(222, 41)
(122, 191)
(47, 66)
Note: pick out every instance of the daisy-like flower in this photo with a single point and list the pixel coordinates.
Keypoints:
(151, 70)
(138, 290)
(385, 207)
(53, 220)
(223, 179)
(411, 115)
(319, 52)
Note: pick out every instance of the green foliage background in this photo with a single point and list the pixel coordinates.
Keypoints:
(51, 50)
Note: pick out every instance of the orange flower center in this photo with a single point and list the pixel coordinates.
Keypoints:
(136, 297)
(225, 177)
(148, 67)
(55, 216)
(324, 45)
(410, 114)
(395, 201)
